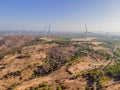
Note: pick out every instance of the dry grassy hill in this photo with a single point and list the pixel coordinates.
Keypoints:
(49, 65)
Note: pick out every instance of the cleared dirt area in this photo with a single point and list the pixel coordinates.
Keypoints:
(85, 65)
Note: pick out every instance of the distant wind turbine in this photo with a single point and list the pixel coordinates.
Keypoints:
(86, 28)
(45, 32)
(49, 33)
(86, 33)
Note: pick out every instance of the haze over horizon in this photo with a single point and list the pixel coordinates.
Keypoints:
(63, 15)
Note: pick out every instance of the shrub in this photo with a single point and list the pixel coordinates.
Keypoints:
(1, 57)
(21, 56)
(59, 87)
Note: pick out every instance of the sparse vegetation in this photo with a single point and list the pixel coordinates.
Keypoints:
(1, 57)
(98, 76)
(103, 54)
(43, 86)
(117, 52)
(113, 71)
(60, 42)
(59, 87)
(21, 56)
(46, 59)
(17, 73)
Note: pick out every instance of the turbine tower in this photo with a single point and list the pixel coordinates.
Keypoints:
(45, 32)
(19, 35)
(86, 28)
(86, 31)
(49, 33)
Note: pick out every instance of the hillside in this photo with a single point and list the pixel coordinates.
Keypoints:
(29, 63)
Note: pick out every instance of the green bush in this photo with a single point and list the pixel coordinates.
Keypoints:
(113, 71)
(1, 57)
(89, 88)
(117, 52)
(21, 56)
(59, 87)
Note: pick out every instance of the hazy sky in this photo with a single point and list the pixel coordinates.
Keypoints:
(63, 15)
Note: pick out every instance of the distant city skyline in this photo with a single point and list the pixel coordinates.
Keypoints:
(63, 15)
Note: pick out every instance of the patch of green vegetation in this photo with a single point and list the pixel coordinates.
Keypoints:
(13, 51)
(34, 42)
(117, 52)
(17, 73)
(43, 86)
(21, 56)
(77, 75)
(12, 87)
(113, 71)
(110, 43)
(99, 76)
(103, 54)
(1, 57)
(59, 87)
(92, 77)
(60, 42)
(89, 88)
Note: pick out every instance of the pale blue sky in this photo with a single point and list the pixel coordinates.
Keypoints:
(63, 15)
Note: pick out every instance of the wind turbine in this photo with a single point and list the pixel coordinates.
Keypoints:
(86, 31)
(86, 28)
(49, 33)
(45, 32)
